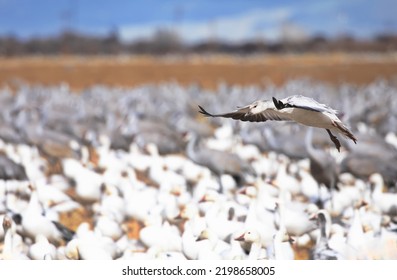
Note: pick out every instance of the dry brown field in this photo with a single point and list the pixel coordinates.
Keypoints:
(206, 71)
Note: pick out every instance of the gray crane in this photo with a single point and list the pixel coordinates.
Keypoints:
(323, 166)
(10, 170)
(219, 162)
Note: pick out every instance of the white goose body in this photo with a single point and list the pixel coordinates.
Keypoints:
(298, 108)
(311, 118)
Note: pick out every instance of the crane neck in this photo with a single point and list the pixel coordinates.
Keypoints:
(191, 146)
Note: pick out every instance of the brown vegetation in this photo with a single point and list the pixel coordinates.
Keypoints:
(206, 71)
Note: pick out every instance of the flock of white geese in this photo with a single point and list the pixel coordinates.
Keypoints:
(198, 187)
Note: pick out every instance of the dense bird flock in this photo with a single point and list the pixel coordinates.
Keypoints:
(115, 173)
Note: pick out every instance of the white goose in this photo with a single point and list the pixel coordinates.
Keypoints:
(298, 108)
(35, 223)
(385, 202)
(13, 245)
(42, 249)
(253, 237)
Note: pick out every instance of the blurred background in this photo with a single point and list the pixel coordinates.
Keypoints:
(178, 29)
(155, 27)
(102, 148)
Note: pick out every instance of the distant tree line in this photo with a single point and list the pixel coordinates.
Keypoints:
(166, 41)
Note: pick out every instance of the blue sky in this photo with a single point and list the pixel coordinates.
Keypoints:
(232, 20)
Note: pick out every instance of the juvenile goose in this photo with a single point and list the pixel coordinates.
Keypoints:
(298, 108)
(322, 250)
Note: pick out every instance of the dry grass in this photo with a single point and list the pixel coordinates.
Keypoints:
(207, 71)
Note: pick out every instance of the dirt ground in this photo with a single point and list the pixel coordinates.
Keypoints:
(207, 71)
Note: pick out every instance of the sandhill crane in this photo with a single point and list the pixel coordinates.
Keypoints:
(157, 132)
(54, 144)
(218, 162)
(362, 165)
(283, 143)
(298, 108)
(323, 166)
(9, 170)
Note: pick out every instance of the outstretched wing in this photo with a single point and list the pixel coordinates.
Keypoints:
(303, 102)
(259, 111)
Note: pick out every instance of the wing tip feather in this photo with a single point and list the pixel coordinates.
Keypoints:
(204, 112)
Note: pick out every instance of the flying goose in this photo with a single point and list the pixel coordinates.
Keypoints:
(298, 108)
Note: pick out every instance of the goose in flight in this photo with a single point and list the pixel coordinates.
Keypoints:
(298, 108)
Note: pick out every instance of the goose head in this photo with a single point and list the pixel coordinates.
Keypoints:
(376, 182)
(249, 236)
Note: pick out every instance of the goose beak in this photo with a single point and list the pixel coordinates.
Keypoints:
(203, 235)
(199, 238)
(243, 191)
(273, 183)
(203, 199)
(178, 217)
(240, 238)
(313, 217)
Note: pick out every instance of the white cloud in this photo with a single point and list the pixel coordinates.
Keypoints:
(248, 25)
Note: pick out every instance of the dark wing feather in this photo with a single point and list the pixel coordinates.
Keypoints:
(245, 114)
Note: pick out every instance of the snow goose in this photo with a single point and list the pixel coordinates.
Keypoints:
(309, 186)
(217, 215)
(90, 245)
(211, 247)
(190, 247)
(298, 108)
(295, 216)
(111, 204)
(139, 201)
(109, 227)
(261, 219)
(343, 199)
(34, 222)
(253, 238)
(284, 180)
(356, 238)
(191, 214)
(13, 245)
(42, 249)
(385, 202)
(198, 242)
(192, 227)
(282, 249)
(88, 182)
(164, 237)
